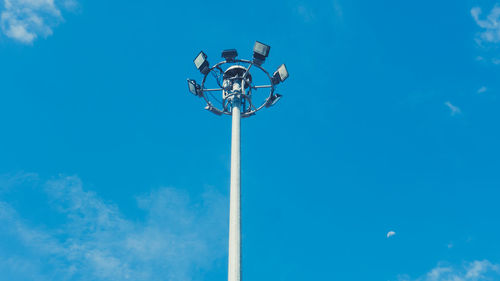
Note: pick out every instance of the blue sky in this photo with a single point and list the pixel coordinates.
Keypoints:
(111, 170)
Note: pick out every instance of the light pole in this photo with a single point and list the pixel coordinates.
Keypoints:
(240, 97)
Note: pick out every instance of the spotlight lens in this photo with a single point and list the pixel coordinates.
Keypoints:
(261, 49)
(193, 87)
(200, 59)
(283, 72)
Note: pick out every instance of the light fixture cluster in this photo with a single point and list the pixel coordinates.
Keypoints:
(260, 54)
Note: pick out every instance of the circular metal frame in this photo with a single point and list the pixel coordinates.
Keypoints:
(251, 109)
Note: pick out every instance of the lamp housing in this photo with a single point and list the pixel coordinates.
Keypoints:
(230, 54)
(213, 110)
(260, 52)
(280, 75)
(272, 100)
(201, 63)
(194, 88)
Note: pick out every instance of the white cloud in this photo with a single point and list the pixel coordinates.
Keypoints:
(391, 233)
(474, 271)
(454, 110)
(175, 239)
(488, 38)
(490, 24)
(478, 269)
(26, 20)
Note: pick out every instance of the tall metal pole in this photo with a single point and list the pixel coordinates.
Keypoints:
(236, 87)
(234, 262)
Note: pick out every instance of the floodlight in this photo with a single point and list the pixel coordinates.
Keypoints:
(201, 63)
(194, 88)
(213, 110)
(280, 75)
(230, 54)
(272, 100)
(260, 52)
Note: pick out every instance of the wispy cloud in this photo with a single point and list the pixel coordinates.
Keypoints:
(95, 241)
(309, 12)
(474, 271)
(488, 38)
(481, 90)
(26, 20)
(490, 24)
(337, 7)
(454, 110)
(306, 13)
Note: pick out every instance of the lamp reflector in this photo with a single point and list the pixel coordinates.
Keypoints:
(260, 52)
(272, 100)
(194, 88)
(201, 63)
(200, 59)
(280, 75)
(261, 49)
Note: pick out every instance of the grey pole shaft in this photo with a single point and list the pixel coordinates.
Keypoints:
(234, 261)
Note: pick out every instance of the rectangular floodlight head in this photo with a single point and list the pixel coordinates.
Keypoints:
(194, 88)
(260, 52)
(201, 63)
(280, 75)
(261, 49)
(229, 54)
(213, 110)
(273, 100)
